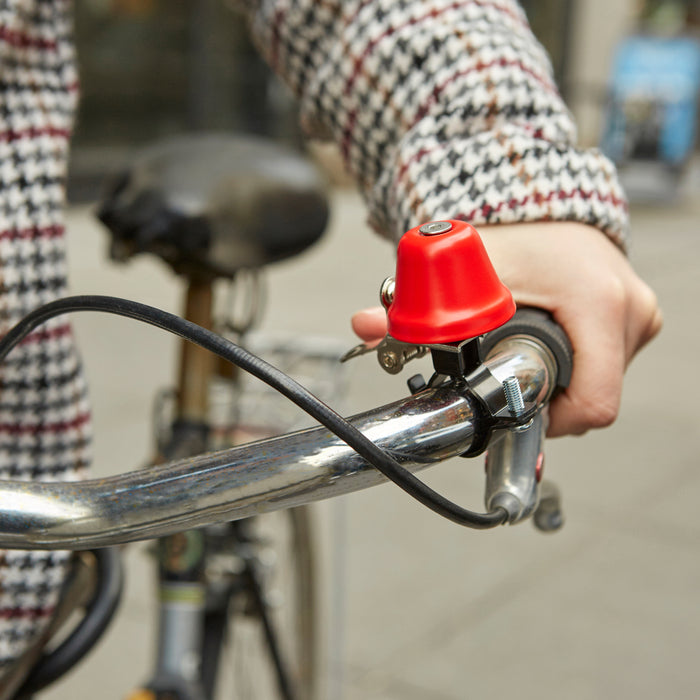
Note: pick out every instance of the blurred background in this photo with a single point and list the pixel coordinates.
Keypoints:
(151, 68)
(417, 608)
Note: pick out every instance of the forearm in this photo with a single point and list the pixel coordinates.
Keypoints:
(441, 110)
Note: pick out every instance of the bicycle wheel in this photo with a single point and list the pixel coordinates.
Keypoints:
(280, 545)
(260, 632)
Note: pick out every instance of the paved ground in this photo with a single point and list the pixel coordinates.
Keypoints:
(608, 608)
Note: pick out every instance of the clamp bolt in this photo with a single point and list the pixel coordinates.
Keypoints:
(514, 397)
(389, 360)
(435, 228)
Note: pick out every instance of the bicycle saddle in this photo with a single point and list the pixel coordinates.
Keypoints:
(209, 205)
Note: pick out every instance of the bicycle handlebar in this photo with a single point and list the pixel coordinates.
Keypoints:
(419, 431)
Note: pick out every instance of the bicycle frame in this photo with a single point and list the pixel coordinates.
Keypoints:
(273, 474)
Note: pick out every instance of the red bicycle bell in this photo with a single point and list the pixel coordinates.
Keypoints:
(446, 289)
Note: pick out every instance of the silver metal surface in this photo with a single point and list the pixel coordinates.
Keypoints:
(386, 292)
(529, 361)
(356, 351)
(511, 470)
(435, 228)
(291, 470)
(182, 607)
(392, 354)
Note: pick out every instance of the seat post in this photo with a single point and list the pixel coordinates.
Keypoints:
(196, 364)
(182, 556)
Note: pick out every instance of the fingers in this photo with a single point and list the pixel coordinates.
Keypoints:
(653, 327)
(592, 399)
(644, 319)
(370, 324)
(626, 318)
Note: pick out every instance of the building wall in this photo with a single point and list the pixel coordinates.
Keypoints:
(598, 26)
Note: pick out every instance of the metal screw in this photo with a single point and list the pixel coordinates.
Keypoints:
(389, 360)
(386, 292)
(434, 228)
(514, 397)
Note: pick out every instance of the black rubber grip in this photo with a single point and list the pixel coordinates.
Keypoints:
(538, 324)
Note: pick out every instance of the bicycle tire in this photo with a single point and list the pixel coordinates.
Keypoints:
(234, 633)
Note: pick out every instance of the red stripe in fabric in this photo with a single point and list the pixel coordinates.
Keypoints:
(347, 135)
(33, 133)
(25, 41)
(33, 233)
(276, 24)
(58, 427)
(48, 334)
(540, 199)
(24, 613)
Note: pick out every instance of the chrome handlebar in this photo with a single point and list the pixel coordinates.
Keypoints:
(290, 470)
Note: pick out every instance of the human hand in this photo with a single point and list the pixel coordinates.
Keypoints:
(576, 273)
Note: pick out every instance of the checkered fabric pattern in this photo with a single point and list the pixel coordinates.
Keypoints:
(442, 109)
(44, 416)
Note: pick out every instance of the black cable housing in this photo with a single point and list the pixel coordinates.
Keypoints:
(278, 380)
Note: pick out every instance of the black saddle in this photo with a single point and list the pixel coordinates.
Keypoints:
(209, 205)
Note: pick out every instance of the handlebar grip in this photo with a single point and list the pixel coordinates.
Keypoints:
(540, 325)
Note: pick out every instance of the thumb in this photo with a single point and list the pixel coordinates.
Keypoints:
(370, 324)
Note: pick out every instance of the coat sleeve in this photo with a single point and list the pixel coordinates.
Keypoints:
(441, 109)
(45, 420)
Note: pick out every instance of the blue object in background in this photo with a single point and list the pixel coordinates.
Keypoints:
(653, 106)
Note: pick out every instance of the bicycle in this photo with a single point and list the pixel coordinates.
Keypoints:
(220, 569)
(457, 412)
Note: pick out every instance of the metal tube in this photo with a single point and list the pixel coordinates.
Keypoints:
(196, 363)
(269, 475)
